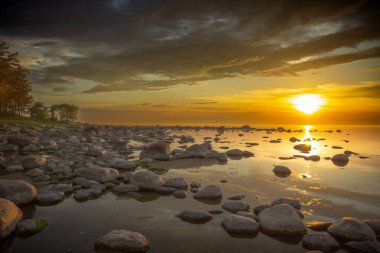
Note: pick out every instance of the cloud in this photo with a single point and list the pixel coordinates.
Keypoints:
(114, 43)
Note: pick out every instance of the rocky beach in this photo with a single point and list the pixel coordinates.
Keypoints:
(188, 189)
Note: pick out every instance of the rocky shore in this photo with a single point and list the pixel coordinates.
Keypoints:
(86, 161)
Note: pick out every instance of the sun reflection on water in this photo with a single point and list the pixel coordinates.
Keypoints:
(308, 139)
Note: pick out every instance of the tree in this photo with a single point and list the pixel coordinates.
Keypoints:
(15, 87)
(38, 110)
(64, 112)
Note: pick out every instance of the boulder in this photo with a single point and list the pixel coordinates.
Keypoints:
(195, 216)
(321, 241)
(351, 229)
(157, 151)
(235, 206)
(180, 194)
(50, 197)
(30, 226)
(209, 192)
(176, 182)
(281, 171)
(122, 241)
(122, 164)
(340, 160)
(281, 219)
(10, 215)
(292, 202)
(235, 152)
(236, 224)
(17, 191)
(363, 247)
(146, 180)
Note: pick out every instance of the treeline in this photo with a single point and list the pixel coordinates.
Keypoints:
(15, 92)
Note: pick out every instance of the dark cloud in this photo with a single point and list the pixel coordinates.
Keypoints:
(121, 44)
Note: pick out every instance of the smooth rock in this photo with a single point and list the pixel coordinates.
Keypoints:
(180, 194)
(321, 241)
(303, 147)
(99, 174)
(146, 180)
(122, 164)
(234, 206)
(10, 215)
(195, 216)
(236, 224)
(33, 161)
(50, 197)
(340, 160)
(165, 190)
(125, 188)
(209, 192)
(248, 214)
(17, 191)
(374, 224)
(177, 182)
(122, 241)
(281, 171)
(157, 151)
(281, 219)
(34, 172)
(292, 202)
(351, 229)
(30, 226)
(363, 247)
(258, 209)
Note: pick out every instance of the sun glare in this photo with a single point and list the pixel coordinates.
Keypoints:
(307, 103)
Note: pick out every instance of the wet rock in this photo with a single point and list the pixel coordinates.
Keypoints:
(323, 242)
(293, 139)
(201, 151)
(33, 161)
(195, 185)
(248, 214)
(50, 197)
(30, 226)
(122, 164)
(209, 192)
(176, 182)
(314, 158)
(34, 172)
(234, 206)
(14, 167)
(156, 151)
(292, 202)
(146, 180)
(236, 224)
(318, 225)
(336, 147)
(351, 229)
(95, 150)
(281, 219)
(125, 188)
(17, 191)
(340, 160)
(363, 247)
(303, 147)
(374, 224)
(85, 194)
(122, 241)
(235, 152)
(281, 171)
(99, 174)
(10, 215)
(180, 194)
(195, 216)
(258, 209)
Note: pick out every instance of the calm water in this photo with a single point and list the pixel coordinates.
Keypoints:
(328, 193)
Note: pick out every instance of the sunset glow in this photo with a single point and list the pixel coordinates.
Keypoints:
(307, 103)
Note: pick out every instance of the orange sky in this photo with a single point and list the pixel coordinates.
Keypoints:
(201, 62)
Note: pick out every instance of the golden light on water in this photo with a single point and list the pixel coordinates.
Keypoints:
(308, 103)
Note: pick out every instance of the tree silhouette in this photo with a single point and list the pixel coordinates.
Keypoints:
(15, 87)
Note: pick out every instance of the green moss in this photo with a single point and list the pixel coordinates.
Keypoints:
(40, 225)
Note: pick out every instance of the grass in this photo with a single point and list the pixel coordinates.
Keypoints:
(27, 121)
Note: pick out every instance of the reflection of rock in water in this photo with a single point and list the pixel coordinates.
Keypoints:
(158, 170)
(144, 196)
(292, 240)
(28, 212)
(8, 244)
(210, 201)
(340, 160)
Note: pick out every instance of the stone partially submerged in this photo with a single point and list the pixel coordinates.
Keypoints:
(235, 206)
(236, 224)
(146, 180)
(10, 215)
(340, 160)
(30, 226)
(157, 151)
(281, 171)
(195, 216)
(209, 192)
(122, 241)
(281, 219)
(351, 229)
(17, 191)
(320, 241)
(97, 173)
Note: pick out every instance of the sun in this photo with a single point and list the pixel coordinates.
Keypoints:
(308, 103)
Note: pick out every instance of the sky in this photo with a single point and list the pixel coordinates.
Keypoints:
(209, 62)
